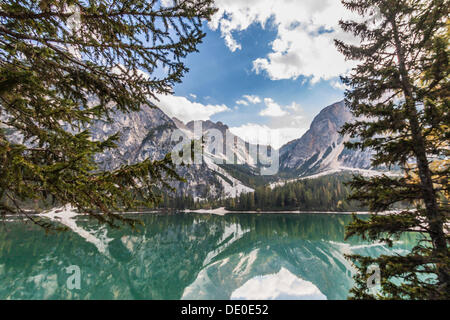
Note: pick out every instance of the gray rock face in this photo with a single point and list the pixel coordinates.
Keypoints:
(144, 134)
(148, 134)
(321, 148)
(232, 144)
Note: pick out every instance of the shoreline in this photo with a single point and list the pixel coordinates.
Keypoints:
(220, 211)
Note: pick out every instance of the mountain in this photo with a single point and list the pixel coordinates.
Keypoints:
(230, 144)
(321, 149)
(148, 134)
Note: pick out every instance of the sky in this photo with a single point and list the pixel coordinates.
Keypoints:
(265, 68)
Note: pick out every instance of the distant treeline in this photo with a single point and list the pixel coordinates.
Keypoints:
(327, 193)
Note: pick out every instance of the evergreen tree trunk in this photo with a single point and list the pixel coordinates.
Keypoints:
(434, 217)
(399, 94)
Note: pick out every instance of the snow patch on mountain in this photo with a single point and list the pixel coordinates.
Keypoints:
(233, 187)
(322, 147)
(362, 172)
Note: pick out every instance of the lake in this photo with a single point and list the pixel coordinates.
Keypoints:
(185, 256)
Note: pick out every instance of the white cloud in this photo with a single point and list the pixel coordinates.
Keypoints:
(242, 102)
(337, 84)
(262, 134)
(252, 99)
(185, 110)
(293, 106)
(305, 32)
(272, 109)
(193, 96)
(247, 99)
(285, 123)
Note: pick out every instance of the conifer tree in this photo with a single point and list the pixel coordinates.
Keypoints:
(399, 92)
(67, 63)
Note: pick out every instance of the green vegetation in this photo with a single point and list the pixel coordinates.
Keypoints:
(67, 63)
(247, 175)
(327, 193)
(400, 93)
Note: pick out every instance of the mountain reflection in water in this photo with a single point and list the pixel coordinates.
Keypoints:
(187, 256)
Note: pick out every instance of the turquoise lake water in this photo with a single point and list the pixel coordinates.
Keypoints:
(185, 256)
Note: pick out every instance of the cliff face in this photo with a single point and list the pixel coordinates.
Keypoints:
(148, 134)
(322, 148)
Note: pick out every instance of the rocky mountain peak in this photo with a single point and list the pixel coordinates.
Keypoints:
(322, 147)
(208, 125)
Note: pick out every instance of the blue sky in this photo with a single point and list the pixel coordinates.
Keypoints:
(264, 70)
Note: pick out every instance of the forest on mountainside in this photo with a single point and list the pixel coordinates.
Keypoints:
(327, 193)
